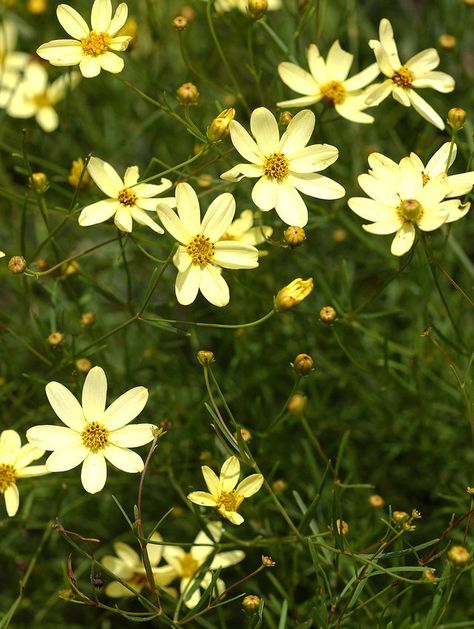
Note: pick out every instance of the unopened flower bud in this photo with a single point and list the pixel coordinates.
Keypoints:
(470, 491)
(257, 8)
(294, 236)
(339, 235)
(279, 485)
(429, 575)
(246, 434)
(97, 581)
(187, 94)
(40, 182)
(342, 527)
(251, 604)
(87, 319)
(78, 169)
(205, 357)
(219, 127)
(180, 23)
(36, 7)
(55, 338)
(327, 314)
(376, 501)
(291, 295)
(456, 118)
(400, 516)
(296, 404)
(415, 514)
(303, 364)
(205, 181)
(267, 561)
(70, 268)
(83, 365)
(458, 556)
(285, 118)
(17, 264)
(447, 42)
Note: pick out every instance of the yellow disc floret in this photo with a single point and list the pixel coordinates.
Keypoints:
(127, 197)
(276, 166)
(229, 501)
(333, 93)
(96, 44)
(7, 476)
(95, 436)
(403, 77)
(188, 565)
(201, 249)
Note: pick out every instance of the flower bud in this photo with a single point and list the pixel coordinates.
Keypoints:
(219, 127)
(458, 556)
(279, 485)
(246, 434)
(327, 314)
(339, 235)
(291, 295)
(41, 264)
(40, 182)
(285, 118)
(205, 357)
(55, 339)
(251, 604)
(36, 7)
(78, 169)
(267, 561)
(470, 491)
(296, 404)
(17, 264)
(429, 575)
(187, 94)
(83, 365)
(447, 42)
(376, 501)
(400, 516)
(342, 527)
(294, 236)
(257, 8)
(70, 268)
(180, 23)
(303, 364)
(87, 319)
(456, 118)
(205, 181)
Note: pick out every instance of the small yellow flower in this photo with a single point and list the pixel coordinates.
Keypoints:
(291, 295)
(223, 494)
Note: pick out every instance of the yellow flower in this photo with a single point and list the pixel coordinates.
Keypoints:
(223, 493)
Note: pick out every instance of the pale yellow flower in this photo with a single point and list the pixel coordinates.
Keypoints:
(223, 6)
(224, 493)
(12, 62)
(92, 49)
(15, 462)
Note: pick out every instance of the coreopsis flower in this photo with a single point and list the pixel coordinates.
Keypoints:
(404, 79)
(15, 462)
(129, 200)
(91, 49)
(187, 565)
(12, 62)
(128, 566)
(327, 81)
(32, 96)
(244, 230)
(223, 6)
(224, 493)
(285, 167)
(400, 200)
(93, 433)
(201, 254)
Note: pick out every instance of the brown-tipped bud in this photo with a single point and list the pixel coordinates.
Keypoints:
(36, 7)
(296, 404)
(180, 23)
(40, 182)
(429, 575)
(205, 357)
(83, 365)
(327, 314)
(87, 319)
(279, 485)
(293, 294)
(77, 169)
(17, 264)
(219, 127)
(400, 517)
(376, 501)
(458, 556)
(447, 42)
(267, 561)
(187, 94)
(303, 364)
(246, 434)
(285, 118)
(342, 527)
(55, 339)
(251, 604)
(456, 118)
(257, 8)
(294, 236)
(205, 181)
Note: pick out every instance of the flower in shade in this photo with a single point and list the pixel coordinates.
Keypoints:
(224, 492)
(93, 433)
(15, 462)
(327, 81)
(33, 96)
(129, 200)
(244, 230)
(400, 200)
(128, 566)
(201, 254)
(92, 49)
(404, 79)
(189, 565)
(12, 62)
(284, 167)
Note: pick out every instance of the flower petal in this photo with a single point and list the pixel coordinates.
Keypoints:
(231, 254)
(229, 558)
(65, 405)
(265, 193)
(105, 177)
(174, 225)
(94, 472)
(111, 62)
(213, 286)
(27, 454)
(298, 80)
(230, 472)
(98, 212)
(32, 470)
(118, 20)
(125, 408)
(143, 219)
(264, 129)
(12, 499)
(132, 436)
(403, 240)
(313, 158)
(90, 67)
(338, 62)
(94, 395)
(423, 61)
(72, 22)
(53, 437)
(249, 486)
(123, 458)
(127, 556)
(187, 284)
(211, 480)
(317, 65)
(123, 219)
(297, 133)
(10, 445)
(370, 210)
(61, 52)
(363, 78)
(101, 15)
(202, 498)
(244, 144)
(426, 111)
(290, 206)
(383, 227)
(67, 457)
(302, 101)
(218, 217)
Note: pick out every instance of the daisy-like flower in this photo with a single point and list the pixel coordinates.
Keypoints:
(223, 6)
(401, 199)
(327, 81)
(128, 566)
(187, 565)
(201, 254)
(91, 49)
(32, 96)
(15, 462)
(243, 230)
(93, 433)
(403, 79)
(285, 167)
(128, 199)
(224, 493)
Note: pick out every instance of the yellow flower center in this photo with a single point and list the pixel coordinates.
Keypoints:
(334, 92)
(40, 100)
(188, 564)
(7, 476)
(201, 249)
(127, 197)
(96, 44)
(95, 436)
(229, 500)
(410, 211)
(403, 77)
(276, 166)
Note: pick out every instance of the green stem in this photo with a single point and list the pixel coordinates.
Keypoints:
(199, 324)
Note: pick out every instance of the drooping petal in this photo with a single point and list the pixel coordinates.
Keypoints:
(65, 405)
(213, 286)
(132, 436)
(297, 133)
(401, 96)
(12, 499)
(94, 394)
(298, 79)
(249, 486)
(94, 472)
(231, 254)
(346, 110)
(426, 111)
(123, 458)
(119, 44)
(90, 66)
(125, 408)
(72, 21)
(264, 129)
(98, 212)
(67, 458)
(218, 217)
(53, 437)
(147, 190)
(101, 15)
(230, 472)
(105, 177)
(32, 470)
(244, 144)
(290, 206)
(388, 42)
(202, 498)
(111, 62)
(242, 170)
(378, 92)
(123, 219)
(338, 62)
(187, 284)
(232, 516)
(403, 240)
